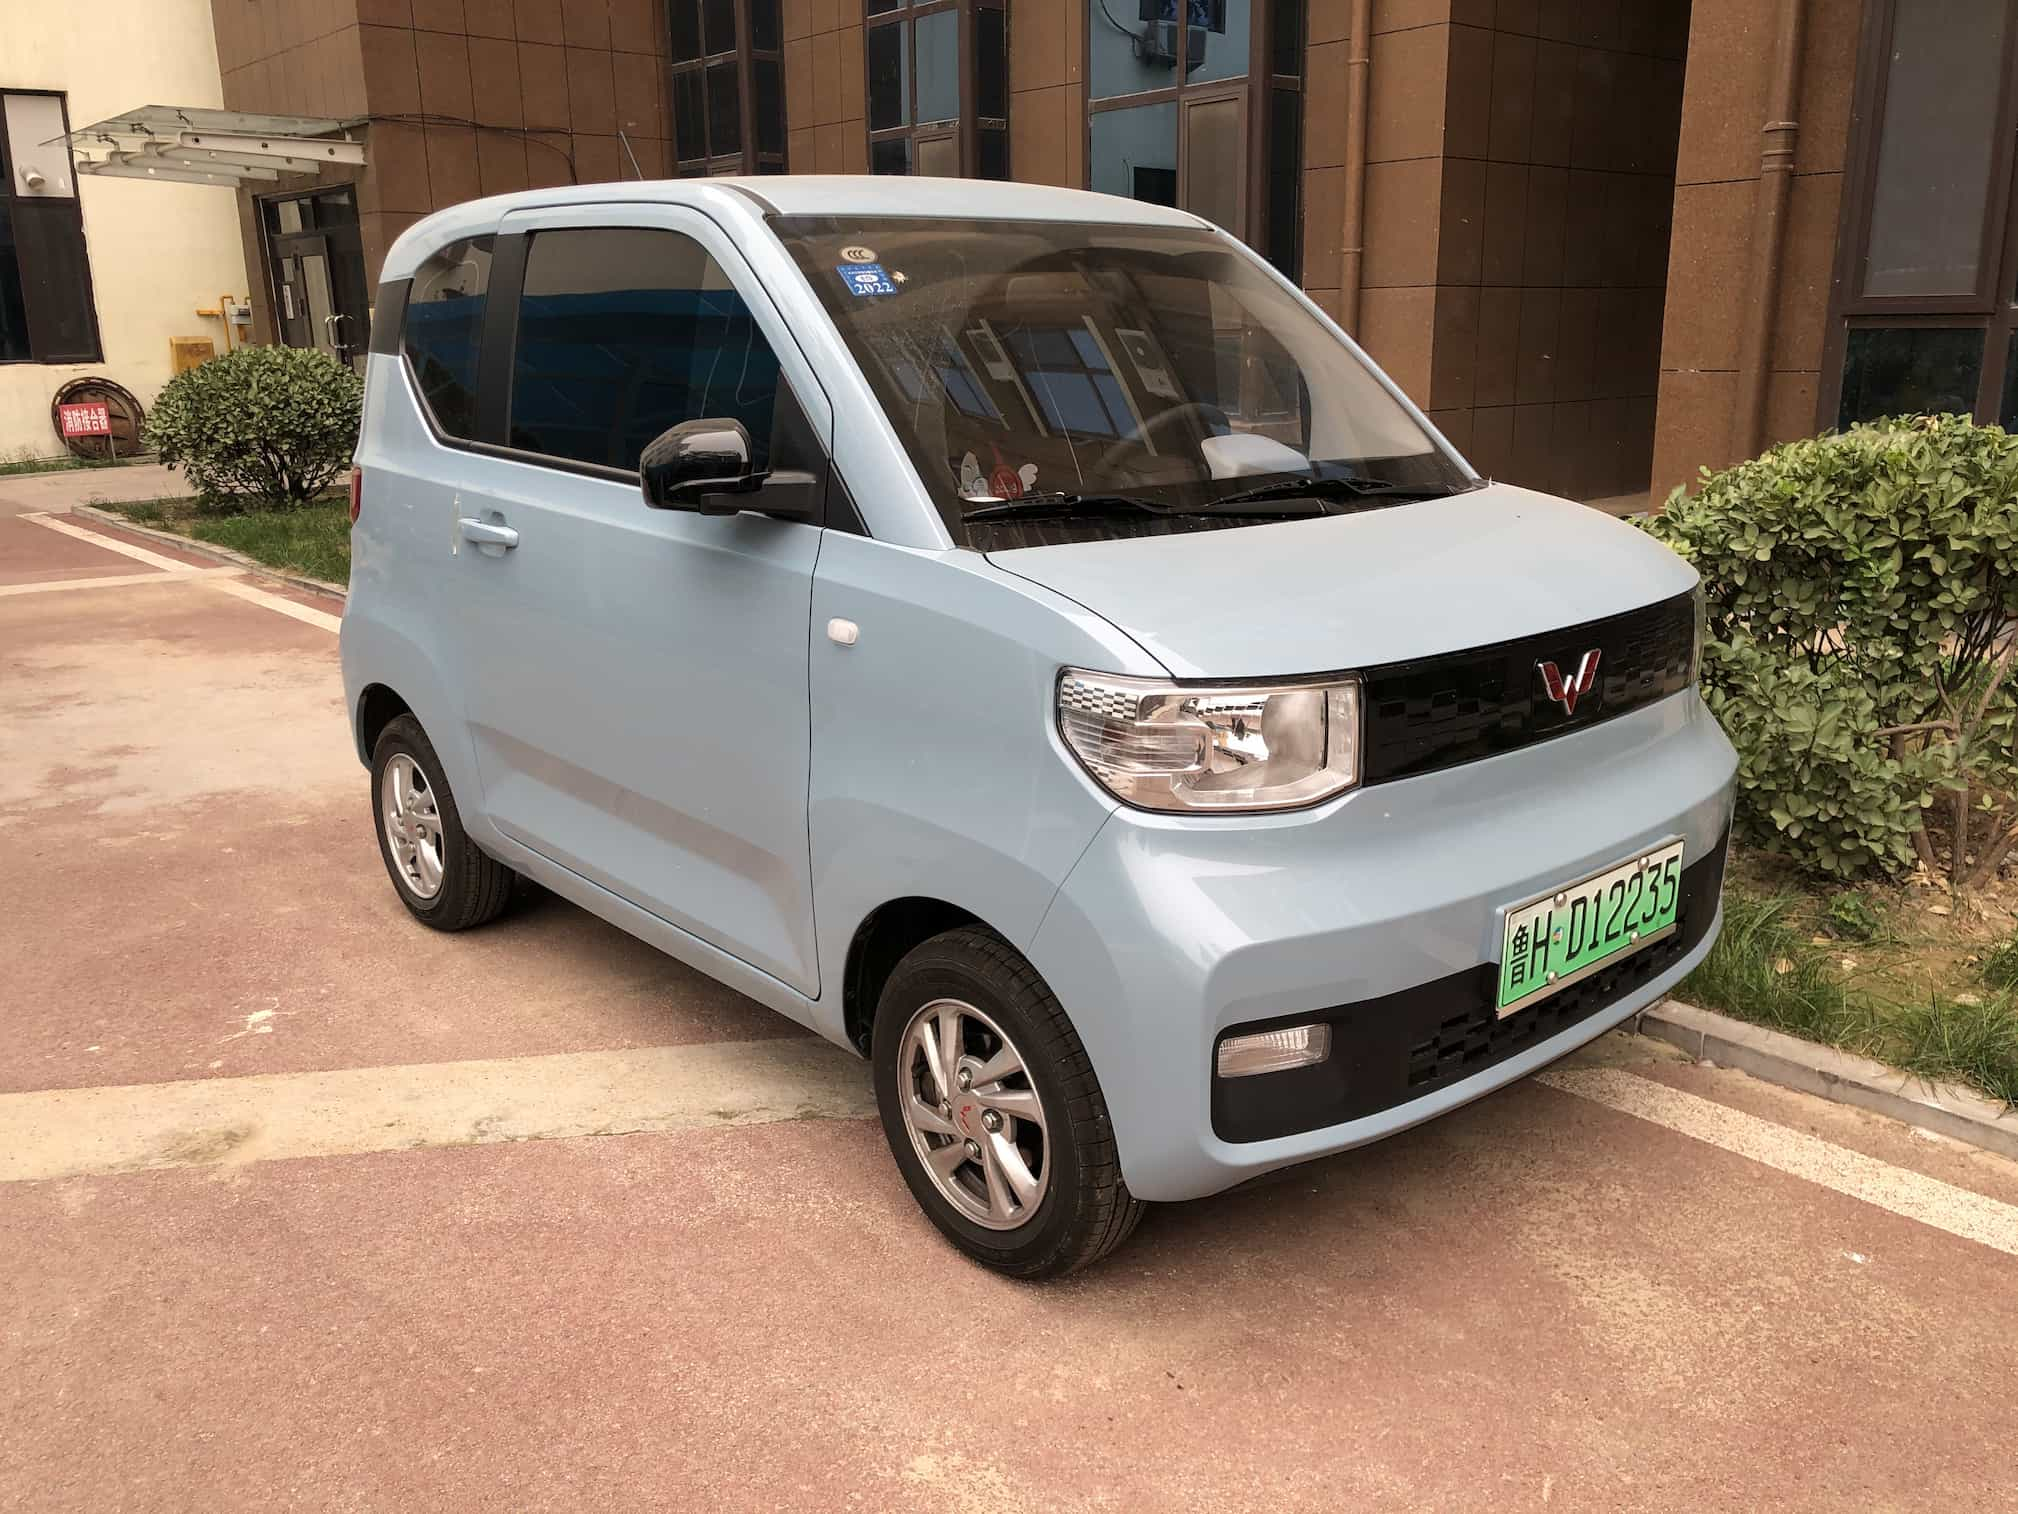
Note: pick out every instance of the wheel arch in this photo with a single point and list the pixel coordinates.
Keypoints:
(882, 940)
(378, 705)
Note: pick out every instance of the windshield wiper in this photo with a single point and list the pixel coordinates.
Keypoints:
(1055, 503)
(1348, 486)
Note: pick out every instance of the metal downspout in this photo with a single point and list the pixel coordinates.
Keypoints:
(1352, 238)
(1769, 234)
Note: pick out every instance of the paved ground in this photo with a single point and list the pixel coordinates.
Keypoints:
(302, 1205)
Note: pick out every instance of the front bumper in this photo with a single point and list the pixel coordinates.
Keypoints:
(1375, 912)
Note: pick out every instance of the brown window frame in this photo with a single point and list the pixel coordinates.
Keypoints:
(1992, 307)
(748, 157)
(967, 127)
(1255, 92)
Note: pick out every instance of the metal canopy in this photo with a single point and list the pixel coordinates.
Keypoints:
(189, 145)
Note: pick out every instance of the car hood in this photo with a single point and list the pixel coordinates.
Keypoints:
(1344, 591)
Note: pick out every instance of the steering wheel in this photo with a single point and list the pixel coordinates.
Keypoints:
(1208, 415)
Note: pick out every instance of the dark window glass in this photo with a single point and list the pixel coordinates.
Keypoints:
(764, 28)
(1285, 44)
(891, 155)
(690, 131)
(2008, 416)
(718, 24)
(725, 110)
(771, 165)
(878, 7)
(444, 325)
(1135, 152)
(1219, 36)
(766, 80)
(1934, 147)
(686, 30)
(13, 311)
(889, 77)
(991, 149)
(624, 332)
(991, 63)
(1905, 370)
(1285, 179)
(939, 66)
(55, 280)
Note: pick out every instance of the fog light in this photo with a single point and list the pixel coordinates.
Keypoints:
(1274, 1051)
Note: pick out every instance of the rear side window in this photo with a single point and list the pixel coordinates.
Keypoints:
(625, 331)
(444, 324)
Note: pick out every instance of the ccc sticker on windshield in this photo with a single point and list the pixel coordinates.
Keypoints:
(865, 278)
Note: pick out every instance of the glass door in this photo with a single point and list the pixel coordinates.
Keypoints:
(316, 264)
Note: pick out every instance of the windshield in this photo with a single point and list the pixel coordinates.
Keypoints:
(1102, 380)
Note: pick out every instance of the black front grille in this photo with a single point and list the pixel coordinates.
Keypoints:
(1404, 1045)
(1441, 711)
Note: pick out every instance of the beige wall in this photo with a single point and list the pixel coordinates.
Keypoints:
(158, 251)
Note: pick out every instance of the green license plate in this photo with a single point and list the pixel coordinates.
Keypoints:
(1554, 940)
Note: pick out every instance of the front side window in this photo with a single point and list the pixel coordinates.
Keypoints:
(1116, 379)
(626, 331)
(1177, 90)
(928, 111)
(46, 309)
(444, 329)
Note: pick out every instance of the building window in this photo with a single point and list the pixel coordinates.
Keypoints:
(1925, 308)
(938, 87)
(728, 82)
(46, 311)
(1199, 104)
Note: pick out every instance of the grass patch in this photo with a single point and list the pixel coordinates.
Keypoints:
(1896, 999)
(313, 540)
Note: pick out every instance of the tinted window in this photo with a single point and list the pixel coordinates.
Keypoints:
(624, 332)
(444, 323)
(1908, 370)
(888, 77)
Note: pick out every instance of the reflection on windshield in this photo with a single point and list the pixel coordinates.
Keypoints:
(1064, 360)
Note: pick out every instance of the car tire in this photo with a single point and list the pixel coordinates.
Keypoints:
(1035, 1189)
(441, 876)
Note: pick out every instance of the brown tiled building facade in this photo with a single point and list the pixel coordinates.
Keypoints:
(1603, 242)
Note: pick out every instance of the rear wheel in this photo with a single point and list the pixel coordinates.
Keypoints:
(440, 874)
(992, 1110)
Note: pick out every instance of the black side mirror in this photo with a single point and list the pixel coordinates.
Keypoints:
(687, 466)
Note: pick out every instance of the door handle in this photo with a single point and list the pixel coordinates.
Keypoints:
(488, 533)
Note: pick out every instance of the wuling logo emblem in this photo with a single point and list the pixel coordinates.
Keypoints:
(1567, 692)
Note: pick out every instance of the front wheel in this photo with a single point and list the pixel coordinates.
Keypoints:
(992, 1110)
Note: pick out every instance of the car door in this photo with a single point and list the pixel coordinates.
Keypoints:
(636, 679)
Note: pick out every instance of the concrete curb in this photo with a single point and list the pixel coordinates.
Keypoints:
(1944, 1108)
(215, 553)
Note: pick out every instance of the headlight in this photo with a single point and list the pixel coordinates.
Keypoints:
(1171, 746)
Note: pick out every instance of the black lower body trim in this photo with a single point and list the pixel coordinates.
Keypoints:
(1403, 1045)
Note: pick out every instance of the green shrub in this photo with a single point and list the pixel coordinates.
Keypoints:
(275, 425)
(1858, 588)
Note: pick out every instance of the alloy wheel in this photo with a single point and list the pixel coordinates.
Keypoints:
(973, 1114)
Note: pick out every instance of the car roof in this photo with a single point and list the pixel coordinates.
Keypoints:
(874, 196)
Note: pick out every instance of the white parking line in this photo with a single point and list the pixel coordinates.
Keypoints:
(307, 615)
(1973, 1216)
(110, 544)
(72, 1132)
(118, 581)
(218, 578)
